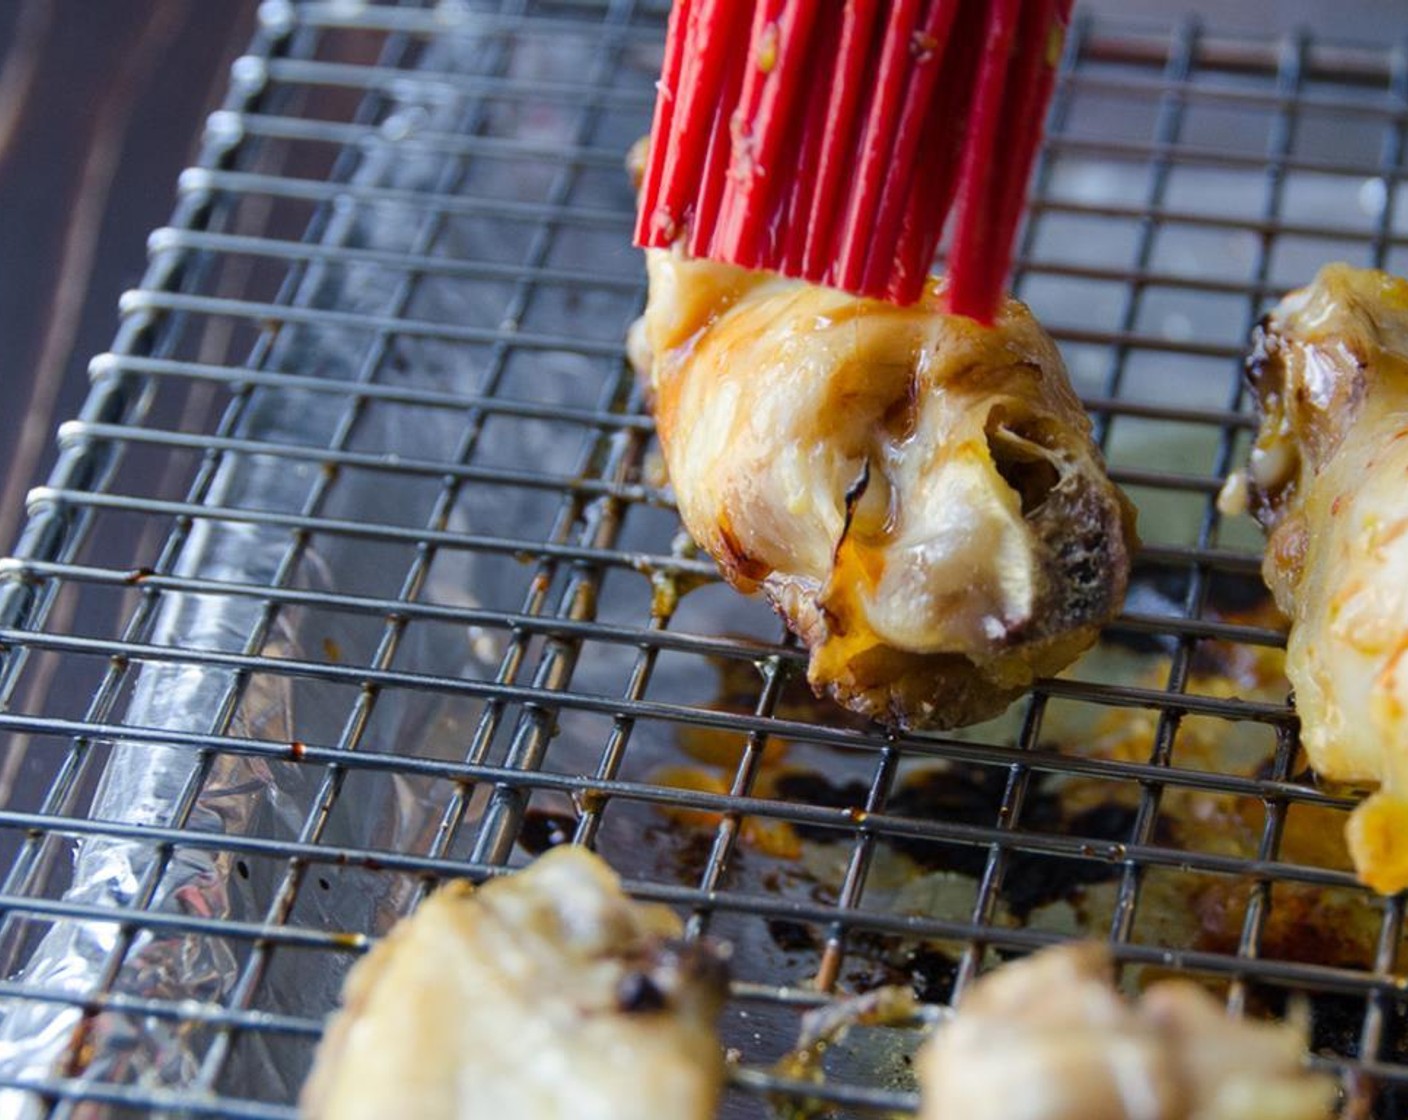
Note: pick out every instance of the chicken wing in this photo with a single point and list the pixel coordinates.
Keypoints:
(1049, 1038)
(1328, 480)
(916, 494)
(545, 995)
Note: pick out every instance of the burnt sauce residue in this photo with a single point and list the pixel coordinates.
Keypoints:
(974, 797)
(876, 960)
(1336, 1028)
(1179, 907)
(543, 829)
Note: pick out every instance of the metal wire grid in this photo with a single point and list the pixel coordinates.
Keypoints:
(81, 597)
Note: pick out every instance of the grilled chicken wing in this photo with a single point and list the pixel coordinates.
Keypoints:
(1049, 1038)
(916, 494)
(1328, 479)
(546, 995)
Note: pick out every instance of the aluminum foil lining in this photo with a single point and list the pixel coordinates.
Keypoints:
(147, 782)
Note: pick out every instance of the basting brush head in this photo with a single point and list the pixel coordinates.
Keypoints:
(830, 141)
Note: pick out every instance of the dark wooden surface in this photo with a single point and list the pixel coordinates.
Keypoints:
(101, 105)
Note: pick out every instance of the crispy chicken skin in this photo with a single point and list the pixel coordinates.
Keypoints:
(1049, 1038)
(545, 995)
(1328, 480)
(916, 494)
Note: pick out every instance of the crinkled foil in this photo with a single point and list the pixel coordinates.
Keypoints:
(145, 782)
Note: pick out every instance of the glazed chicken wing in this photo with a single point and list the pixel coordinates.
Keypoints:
(1328, 479)
(916, 494)
(545, 995)
(1049, 1038)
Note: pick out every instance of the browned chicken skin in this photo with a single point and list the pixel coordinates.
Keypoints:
(1327, 480)
(916, 494)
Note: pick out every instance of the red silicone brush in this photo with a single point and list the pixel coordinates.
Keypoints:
(829, 139)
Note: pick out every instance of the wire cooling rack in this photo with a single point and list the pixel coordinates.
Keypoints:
(358, 571)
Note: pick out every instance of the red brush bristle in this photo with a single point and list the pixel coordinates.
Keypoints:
(801, 190)
(832, 148)
(708, 29)
(666, 93)
(936, 178)
(927, 55)
(779, 159)
(1046, 27)
(718, 154)
(859, 23)
(977, 200)
(766, 128)
(741, 177)
(877, 143)
(1014, 84)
